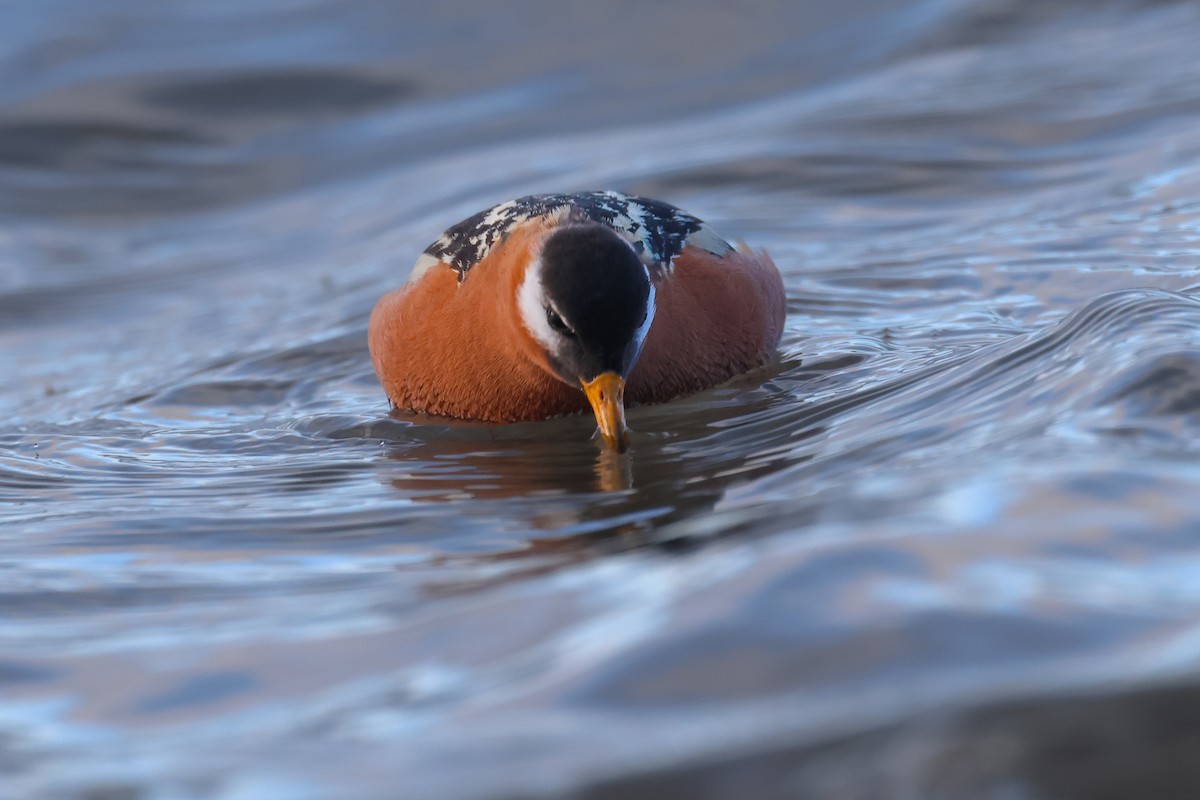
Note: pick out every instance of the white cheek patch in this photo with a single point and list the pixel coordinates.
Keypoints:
(639, 336)
(531, 301)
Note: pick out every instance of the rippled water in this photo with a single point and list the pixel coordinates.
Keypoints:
(947, 546)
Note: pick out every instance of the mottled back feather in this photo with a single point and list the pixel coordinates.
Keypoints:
(659, 231)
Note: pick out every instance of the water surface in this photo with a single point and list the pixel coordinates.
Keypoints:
(947, 545)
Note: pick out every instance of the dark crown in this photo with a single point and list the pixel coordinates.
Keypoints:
(599, 287)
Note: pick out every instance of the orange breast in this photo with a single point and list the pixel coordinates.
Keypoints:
(718, 316)
(459, 350)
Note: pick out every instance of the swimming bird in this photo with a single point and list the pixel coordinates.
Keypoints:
(551, 303)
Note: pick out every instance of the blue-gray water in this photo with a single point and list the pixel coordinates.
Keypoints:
(948, 546)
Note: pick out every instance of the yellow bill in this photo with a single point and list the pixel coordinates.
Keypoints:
(607, 396)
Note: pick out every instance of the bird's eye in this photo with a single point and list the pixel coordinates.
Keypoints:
(556, 322)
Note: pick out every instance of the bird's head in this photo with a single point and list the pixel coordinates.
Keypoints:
(587, 300)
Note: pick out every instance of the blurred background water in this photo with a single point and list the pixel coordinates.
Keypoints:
(948, 546)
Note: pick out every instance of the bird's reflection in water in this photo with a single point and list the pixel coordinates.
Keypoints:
(614, 471)
(452, 460)
(534, 498)
(558, 488)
